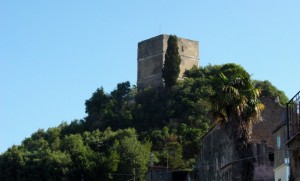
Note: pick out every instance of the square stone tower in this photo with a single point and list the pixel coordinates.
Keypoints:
(151, 56)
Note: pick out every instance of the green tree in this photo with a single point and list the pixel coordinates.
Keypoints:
(78, 126)
(123, 103)
(105, 156)
(190, 138)
(99, 109)
(112, 110)
(237, 107)
(150, 110)
(171, 68)
(81, 155)
(269, 90)
(189, 102)
(12, 164)
(58, 165)
(172, 152)
(134, 155)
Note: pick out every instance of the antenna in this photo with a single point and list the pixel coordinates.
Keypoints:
(159, 28)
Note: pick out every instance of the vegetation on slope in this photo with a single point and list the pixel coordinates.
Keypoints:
(121, 130)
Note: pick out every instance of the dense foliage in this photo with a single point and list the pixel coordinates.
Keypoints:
(269, 90)
(51, 155)
(237, 108)
(124, 127)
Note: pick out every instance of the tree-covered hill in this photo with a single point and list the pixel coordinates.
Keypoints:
(122, 129)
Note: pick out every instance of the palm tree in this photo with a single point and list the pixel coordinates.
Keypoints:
(237, 108)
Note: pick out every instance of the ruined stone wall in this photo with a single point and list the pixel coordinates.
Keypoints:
(218, 160)
(151, 55)
(216, 156)
(272, 116)
(263, 142)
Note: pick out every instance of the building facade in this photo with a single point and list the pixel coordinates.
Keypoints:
(219, 162)
(151, 55)
(281, 154)
(293, 136)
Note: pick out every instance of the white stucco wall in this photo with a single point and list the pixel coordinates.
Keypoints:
(282, 172)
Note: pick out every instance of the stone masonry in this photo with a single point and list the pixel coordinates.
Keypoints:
(217, 160)
(151, 55)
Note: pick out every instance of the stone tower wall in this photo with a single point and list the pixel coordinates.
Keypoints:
(151, 55)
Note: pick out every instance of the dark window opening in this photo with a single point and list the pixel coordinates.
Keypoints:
(271, 157)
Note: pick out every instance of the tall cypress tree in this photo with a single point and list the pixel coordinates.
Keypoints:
(171, 67)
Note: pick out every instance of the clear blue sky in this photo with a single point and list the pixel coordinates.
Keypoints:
(55, 54)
